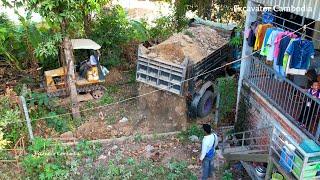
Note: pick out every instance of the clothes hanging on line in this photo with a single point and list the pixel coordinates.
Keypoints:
(289, 54)
(271, 44)
(251, 35)
(261, 31)
(300, 51)
(267, 17)
(264, 48)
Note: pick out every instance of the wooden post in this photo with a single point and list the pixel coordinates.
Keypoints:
(26, 115)
(71, 78)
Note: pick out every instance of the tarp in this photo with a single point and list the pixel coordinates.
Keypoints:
(225, 26)
(84, 44)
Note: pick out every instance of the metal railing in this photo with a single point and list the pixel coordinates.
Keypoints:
(294, 102)
(291, 160)
(256, 139)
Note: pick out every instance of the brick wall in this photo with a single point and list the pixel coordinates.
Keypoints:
(260, 113)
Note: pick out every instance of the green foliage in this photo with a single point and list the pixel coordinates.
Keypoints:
(27, 44)
(17, 42)
(60, 12)
(242, 123)
(47, 51)
(181, 7)
(111, 119)
(58, 123)
(138, 137)
(112, 30)
(164, 27)
(223, 11)
(132, 76)
(227, 87)
(177, 170)
(41, 99)
(106, 99)
(43, 107)
(11, 127)
(227, 175)
(194, 129)
(143, 169)
(49, 160)
(237, 40)
(113, 89)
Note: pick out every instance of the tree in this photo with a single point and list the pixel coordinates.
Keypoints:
(217, 10)
(58, 12)
(87, 8)
(62, 12)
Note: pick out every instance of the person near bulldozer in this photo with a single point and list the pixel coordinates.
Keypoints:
(209, 143)
(93, 61)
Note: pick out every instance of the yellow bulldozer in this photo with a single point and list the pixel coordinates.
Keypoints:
(89, 80)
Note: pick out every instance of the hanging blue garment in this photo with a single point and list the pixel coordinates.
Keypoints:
(267, 17)
(301, 52)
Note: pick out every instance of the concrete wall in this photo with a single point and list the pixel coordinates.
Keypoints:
(260, 113)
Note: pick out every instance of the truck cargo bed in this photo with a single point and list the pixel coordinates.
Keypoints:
(171, 77)
(162, 75)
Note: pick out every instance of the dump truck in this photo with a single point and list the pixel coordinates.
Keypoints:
(193, 79)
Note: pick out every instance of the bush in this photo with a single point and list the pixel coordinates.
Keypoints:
(227, 87)
(164, 27)
(11, 127)
(42, 106)
(49, 160)
(112, 30)
(194, 129)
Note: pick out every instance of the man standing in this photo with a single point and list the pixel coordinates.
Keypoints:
(209, 143)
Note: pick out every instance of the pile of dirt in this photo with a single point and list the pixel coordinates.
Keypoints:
(195, 43)
(113, 77)
(162, 111)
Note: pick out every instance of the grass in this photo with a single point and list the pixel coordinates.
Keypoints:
(188, 33)
(132, 77)
(194, 129)
(111, 120)
(113, 89)
(106, 99)
(138, 137)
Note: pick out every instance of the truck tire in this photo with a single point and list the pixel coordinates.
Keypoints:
(205, 104)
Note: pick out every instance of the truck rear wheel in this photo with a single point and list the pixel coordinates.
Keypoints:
(205, 104)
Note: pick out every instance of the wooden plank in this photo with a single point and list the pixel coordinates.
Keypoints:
(247, 157)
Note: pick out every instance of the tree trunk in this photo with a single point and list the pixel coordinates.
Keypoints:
(71, 78)
(87, 23)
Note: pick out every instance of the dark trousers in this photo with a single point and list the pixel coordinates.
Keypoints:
(207, 168)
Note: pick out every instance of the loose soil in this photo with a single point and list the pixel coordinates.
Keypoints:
(163, 150)
(194, 44)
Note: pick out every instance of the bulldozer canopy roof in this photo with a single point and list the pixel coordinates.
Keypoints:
(84, 44)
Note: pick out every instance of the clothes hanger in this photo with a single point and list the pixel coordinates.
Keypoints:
(303, 35)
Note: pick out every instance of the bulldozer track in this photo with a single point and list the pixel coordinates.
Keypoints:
(81, 89)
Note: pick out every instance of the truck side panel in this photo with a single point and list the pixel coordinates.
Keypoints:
(162, 75)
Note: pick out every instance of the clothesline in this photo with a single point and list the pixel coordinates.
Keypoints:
(286, 20)
(283, 49)
(292, 30)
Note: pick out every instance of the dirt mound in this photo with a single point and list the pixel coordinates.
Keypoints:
(113, 77)
(195, 43)
(163, 111)
(93, 130)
